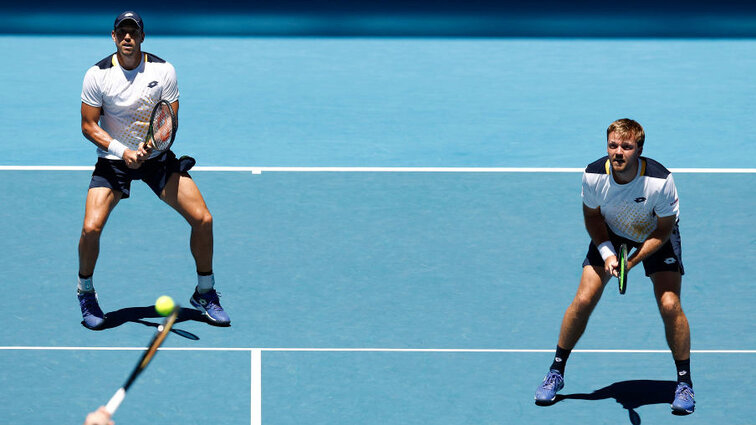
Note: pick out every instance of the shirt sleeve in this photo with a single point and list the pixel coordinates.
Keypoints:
(90, 91)
(170, 87)
(668, 203)
(588, 193)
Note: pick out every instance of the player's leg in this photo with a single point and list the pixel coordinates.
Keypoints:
(665, 268)
(592, 283)
(183, 195)
(100, 202)
(667, 285)
(667, 291)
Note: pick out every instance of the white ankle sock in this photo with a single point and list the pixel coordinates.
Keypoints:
(86, 285)
(205, 283)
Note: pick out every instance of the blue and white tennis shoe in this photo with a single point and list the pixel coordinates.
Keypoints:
(90, 310)
(683, 404)
(209, 304)
(546, 392)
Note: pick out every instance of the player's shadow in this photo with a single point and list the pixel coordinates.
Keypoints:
(631, 395)
(117, 318)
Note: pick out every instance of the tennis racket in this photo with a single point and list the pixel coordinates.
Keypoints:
(157, 340)
(622, 276)
(162, 130)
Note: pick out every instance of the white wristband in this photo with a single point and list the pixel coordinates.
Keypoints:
(606, 250)
(116, 148)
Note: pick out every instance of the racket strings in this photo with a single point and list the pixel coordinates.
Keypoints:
(162, 125)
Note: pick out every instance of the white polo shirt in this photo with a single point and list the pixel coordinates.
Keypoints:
(128, 96)
(630, 210)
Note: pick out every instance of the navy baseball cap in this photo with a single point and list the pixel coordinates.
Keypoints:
(129, 16)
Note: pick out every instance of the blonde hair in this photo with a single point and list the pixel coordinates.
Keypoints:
(626, 127)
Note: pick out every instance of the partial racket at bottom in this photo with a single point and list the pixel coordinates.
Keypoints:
(157, 340)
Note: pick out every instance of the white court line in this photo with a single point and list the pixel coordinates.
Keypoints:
(255, 381)
(259, 170)
(255, 387)
(371, 350)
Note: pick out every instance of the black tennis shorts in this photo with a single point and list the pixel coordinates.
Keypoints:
(667, 258)
(114, 174)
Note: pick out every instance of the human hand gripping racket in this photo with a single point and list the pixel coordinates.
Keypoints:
(157, 340)
(162, 130)
(622, 268)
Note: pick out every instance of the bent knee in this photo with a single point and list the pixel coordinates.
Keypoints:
(92, 228)
(206, 219)
(202, 219)
(670, 307)
(584, 302)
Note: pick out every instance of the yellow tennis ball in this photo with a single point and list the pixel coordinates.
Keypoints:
(164, 305)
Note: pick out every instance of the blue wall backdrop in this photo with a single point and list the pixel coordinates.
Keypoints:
(543, 18)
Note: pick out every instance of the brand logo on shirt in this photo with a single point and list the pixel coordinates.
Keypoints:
(682, 372)
(639, 200)
(152, 84)
(670, 260)
(673, 203)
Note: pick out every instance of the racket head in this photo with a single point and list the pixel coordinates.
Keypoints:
(622, 276)
(162, 130)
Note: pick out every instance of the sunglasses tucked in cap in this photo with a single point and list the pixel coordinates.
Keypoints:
(129, 16)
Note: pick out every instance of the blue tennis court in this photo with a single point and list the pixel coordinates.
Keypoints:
(426, 289)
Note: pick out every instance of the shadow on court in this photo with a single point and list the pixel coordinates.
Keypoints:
(117, 318)
(631, 395)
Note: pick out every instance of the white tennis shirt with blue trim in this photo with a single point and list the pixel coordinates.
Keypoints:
(128, 96)
(630, 210)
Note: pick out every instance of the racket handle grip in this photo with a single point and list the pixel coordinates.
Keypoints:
(115, 401)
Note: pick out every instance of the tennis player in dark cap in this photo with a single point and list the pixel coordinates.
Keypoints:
(117, 97)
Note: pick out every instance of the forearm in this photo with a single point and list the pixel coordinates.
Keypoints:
(90, 128)
(597, 230)
(595, 225)
(654, 241)
(95, 134)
